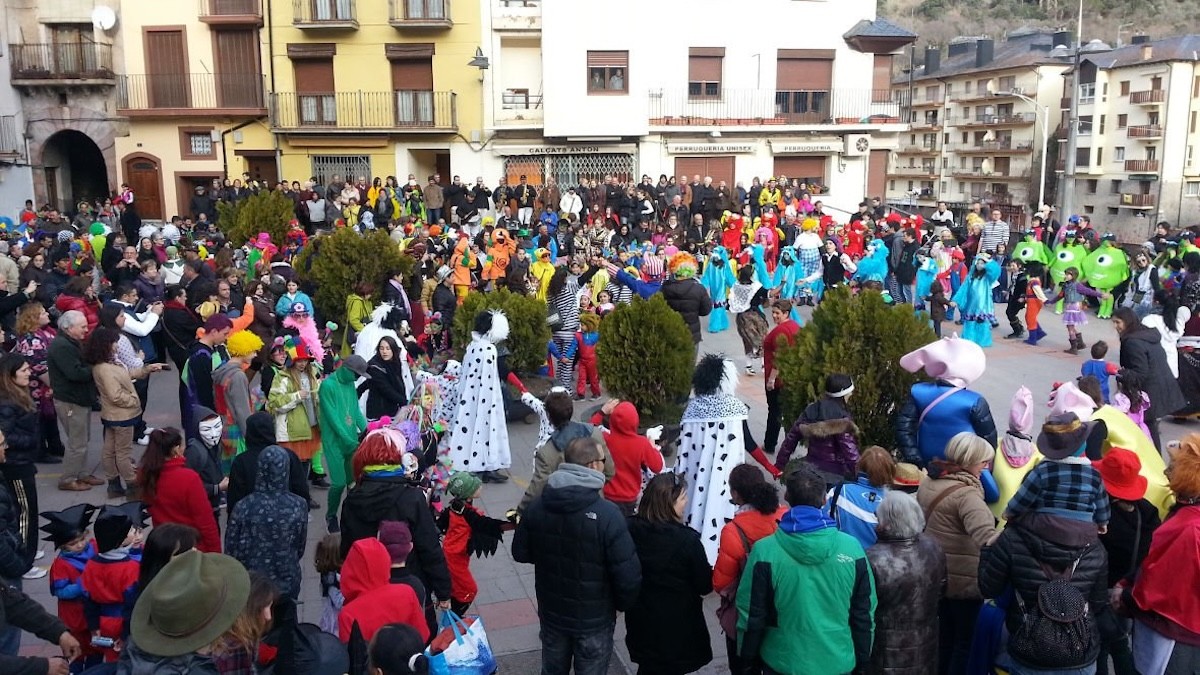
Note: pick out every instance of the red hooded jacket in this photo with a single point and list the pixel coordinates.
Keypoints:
(371, 599)
(631, 452)
(179, 497)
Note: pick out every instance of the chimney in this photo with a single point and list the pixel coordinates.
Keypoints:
(1147, 51)
(933, 60)
(1062, 38)
(985, 49)
(961, 46)
(1139, 39)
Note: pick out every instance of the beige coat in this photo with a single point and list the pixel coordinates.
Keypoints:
(118, 399)
(961, 524)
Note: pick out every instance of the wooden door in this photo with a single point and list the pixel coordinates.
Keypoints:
(145, 179)
(877, 173)
(166, 69)
(442, 164)
(74, 48)
(239, 75)
(719, 168)
(263, 170)
(52, 196)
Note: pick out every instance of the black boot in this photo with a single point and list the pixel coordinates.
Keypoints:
(1074, 348)
(1079, 343)
(1018, 331)
(115, 491)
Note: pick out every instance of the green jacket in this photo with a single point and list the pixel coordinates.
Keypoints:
(289, 410)
(341, 418)
(70, 377)
(806, 601)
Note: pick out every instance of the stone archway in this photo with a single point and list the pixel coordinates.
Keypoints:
(73, 169)
(43, 123)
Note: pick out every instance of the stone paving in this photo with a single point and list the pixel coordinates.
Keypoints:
(506, 598)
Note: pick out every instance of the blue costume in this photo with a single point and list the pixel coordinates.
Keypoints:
(923, 440)
(926, 274)
(760, 267)
(718, 279)
(787, 280)
(874, 266)
(974, 300)
(645, 289)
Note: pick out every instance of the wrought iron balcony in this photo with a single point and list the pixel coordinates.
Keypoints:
(1146, 131)
(62, 63)
(359, 111)
(419, 14)
(681, 107)
(191, 93)
(324, 14)
(231, 12)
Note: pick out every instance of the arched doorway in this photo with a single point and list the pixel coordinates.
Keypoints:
(144, 174)
(74, 170)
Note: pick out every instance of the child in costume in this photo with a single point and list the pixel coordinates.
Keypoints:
(808, 254)
(746, 300)
(1131, 399)
(1099, 368)
(718, 279)
(938, 302)
(1072, 292)
(467, 530)
(109, 580)
(1069, 255)
(328, 561)
(68, 531)
(586, 339)
(1105, 269)
(974, 300)
(1035, 299)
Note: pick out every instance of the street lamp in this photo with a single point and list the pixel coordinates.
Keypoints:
(1044, 112)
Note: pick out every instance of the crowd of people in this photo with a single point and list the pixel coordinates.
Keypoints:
(960, 550)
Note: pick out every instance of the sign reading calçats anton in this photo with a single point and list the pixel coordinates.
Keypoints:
(597, 149)
(710, 148)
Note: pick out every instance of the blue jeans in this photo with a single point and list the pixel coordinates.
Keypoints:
(1018, 669)
(10, 636)
(590, 652)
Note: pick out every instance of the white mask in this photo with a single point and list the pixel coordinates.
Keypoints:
(211, 430)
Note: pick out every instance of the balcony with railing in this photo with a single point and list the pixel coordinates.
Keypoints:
(325, 14)
(927, 124)
(922, 101)
(1141, 165)
(1138, 201)
(1145, 131)
(1148, 97)
(419, 14)
(1013, 120)
(926, 172)
(516, 15)
(518, 107)
(919, 149)
(12, 145)
(78, 63)
(754, 107)
(190, 94)
(993, 147)
(993, 175)
(231, 12)
(365, 111)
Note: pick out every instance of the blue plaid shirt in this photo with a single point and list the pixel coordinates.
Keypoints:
(1069, 488)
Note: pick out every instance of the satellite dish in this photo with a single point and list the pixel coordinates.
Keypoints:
(104, 17)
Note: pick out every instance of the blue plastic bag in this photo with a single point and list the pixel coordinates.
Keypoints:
(461, 647)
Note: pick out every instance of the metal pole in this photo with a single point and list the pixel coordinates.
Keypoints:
(1045, 110)
(1068, 182)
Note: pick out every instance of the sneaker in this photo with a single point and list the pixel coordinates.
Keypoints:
(312, 504)
(39, 555)
(35, 573)
(319, 481)
(331, 524)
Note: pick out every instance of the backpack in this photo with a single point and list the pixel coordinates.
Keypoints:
(1058, 631)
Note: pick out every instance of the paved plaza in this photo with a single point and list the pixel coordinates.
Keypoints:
(506, 589)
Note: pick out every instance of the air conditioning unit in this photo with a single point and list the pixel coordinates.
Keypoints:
(857, 145)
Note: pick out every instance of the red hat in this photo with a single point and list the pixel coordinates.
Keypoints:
(957, 254)
(1120, 470)
(302, 353)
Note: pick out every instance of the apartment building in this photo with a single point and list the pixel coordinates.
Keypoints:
(64, 57)
(579, 90)
(978, 121)
(1137, 160)
(373, 87)
(194, 94)
(16, 176)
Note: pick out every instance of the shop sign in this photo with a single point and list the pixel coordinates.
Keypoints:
(710, 148)
(564, 149)
(802, 147)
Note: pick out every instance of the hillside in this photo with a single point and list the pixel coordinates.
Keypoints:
(938, 21)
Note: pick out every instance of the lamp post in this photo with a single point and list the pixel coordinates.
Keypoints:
(1069, 166)
(1044, 112)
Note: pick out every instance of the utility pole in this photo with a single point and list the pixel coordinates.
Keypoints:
(1068, 182)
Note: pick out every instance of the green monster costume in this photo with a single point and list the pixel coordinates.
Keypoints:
(1068, 254)
(1106, 268)
(1031, 250)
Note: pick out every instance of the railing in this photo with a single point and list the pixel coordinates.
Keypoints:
(11, 142)
(324, 12)
(1148, 96)
(921, 148)
(928, 100)
(230, 8)
(1141, 165)
(420, 13)
(754, 106)
(62, 61)
(914, 171)
(996, 120)
(518, 100)
(190, 91)
(994, 146)
(925, 123)
(1137, 200)
(1144, 131)
(994, 175)
(365, 110)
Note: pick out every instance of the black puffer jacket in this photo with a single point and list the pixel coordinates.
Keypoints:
(14, 560)
(689, 298)
(377, 498)
(1142, 352)
(260, 432)
(23, 432)
(1015, 560)
(910, 579)
(205, 461)
(665, 629)
(585, 565)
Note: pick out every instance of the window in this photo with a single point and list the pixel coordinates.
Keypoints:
(932, 93)
(1101, 129)
(412, 83)
(1192, 128)
(1083, 157)
(1099, 156)
(1092, 184)
(315, 91)
(324, 167)
(1007, 84)
(1114, 186)
(1196, 87)
(1191, 188)
(1152, 118)
(966, 112)
(196, 143)
(1104, 93)
(1085, 125)
(1005, 110)
(803, 80)
(1112, 211)
(1156, 83)
(1122, 121)
(704, 71)
(1089, 209)
(1087, 93)
(1119, 154)
(892, 185)
(1124, 87)
(607, 72)
(1151, 152)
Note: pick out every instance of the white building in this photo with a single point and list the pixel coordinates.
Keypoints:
(16, 176)
(578, 90)
(1139, 127)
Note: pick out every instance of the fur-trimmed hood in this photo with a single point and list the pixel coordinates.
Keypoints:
(827, 428)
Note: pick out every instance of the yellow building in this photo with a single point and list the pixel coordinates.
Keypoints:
(195, 97)
(374, 87)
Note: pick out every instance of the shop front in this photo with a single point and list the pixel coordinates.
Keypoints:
(568, 164)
